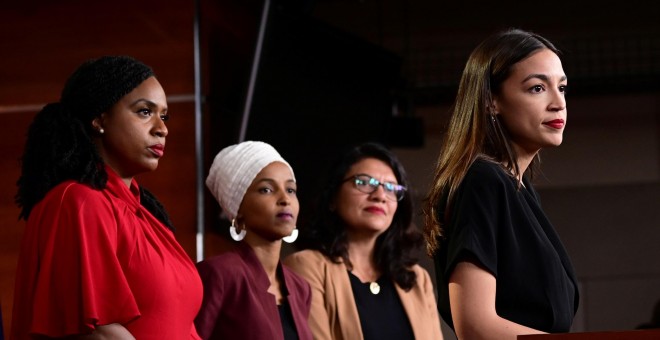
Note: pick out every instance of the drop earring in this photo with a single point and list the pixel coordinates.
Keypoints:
(101, 131)
(291, 238)
(234, 235)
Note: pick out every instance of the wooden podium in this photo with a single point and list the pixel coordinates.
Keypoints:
(646, 334)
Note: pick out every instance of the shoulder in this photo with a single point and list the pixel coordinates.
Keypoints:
(422, 274)
(228, 265)
(423, 284)
(73, 201)
(310, 263)
(306, 258)
(294, 280)
(485, 170)
(71, 192)
(419, 270)
(486, 177)
(227, 258)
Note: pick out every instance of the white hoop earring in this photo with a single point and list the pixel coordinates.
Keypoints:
(234, 235)
(291, 238)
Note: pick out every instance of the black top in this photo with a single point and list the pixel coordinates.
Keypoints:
(288, 325)
(505, 230)
(381, 315)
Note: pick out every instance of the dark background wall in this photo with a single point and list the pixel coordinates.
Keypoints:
(318, 90)
(336, 72)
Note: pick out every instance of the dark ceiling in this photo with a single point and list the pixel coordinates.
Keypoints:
(608, 46)
(613, 44)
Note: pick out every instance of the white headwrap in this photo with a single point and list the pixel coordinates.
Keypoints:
(233, 170)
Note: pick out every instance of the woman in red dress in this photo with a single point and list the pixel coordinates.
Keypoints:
(99, 258)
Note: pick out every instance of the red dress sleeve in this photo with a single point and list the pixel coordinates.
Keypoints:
(80, 282)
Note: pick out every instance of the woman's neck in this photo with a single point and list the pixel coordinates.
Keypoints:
(126, 179)
(523, 164)
(361, 253)
(523, 159)
(268, 254)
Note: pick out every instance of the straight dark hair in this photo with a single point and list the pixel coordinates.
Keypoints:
(474, 130)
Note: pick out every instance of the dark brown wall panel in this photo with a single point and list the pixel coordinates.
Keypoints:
(12, 138)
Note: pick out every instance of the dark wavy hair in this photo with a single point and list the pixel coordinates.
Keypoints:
(395, 248)
(59, 145)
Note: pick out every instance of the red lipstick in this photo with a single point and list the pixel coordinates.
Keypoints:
(157, 149)
(555, 124)
(375, 210)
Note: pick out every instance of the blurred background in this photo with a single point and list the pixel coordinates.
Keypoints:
(332, 73)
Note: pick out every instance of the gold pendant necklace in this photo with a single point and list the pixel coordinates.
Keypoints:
(374, 287)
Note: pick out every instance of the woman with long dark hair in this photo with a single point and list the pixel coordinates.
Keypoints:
(362, 265)
(501, 269)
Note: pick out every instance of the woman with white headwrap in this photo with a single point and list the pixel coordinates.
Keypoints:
(248, 293)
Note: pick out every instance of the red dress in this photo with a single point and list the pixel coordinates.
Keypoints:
(95, 257)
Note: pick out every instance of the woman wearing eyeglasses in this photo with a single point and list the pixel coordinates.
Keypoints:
(366, 283)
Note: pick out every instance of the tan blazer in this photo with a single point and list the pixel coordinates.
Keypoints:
(334, 315)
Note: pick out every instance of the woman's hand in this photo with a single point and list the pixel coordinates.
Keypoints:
(113, 331)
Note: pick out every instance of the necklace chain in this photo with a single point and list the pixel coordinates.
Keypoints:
(374, 287)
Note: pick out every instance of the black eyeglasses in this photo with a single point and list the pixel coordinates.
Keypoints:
(367, 184)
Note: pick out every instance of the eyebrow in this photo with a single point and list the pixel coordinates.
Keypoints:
(542, 77)
(148, 102)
